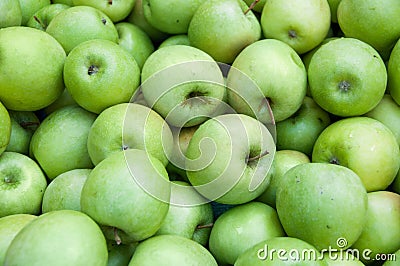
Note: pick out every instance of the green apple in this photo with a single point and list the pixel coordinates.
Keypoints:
(115, 10)
(60, 142)
(129, 126)
(373, 22)
(22, 184)
(381, 233)
(228, 158)
(65, 99)
(63, 237)
(217, 21)
(166, 250)
(393, 69)
(65, 2)
(119, 255)
(364, 145)
(141, 183)
(184, 219)
(333, 5)
(312, 202)
(9, 227)
(347, 77)
(180, 39)
(301, 24)
(99, 74)
(10, 13)
(5, 128)
(279, 251)
(395, 186)
(44, 54)
(277, 70)
(258, 5)
(283, 161)
(183, 84)
(170, 16)
(300, 131)
(342, 258)
(394, 261)
(23, 125)
(240, 228)
(29, 7)
(78, 24)
(133, 39)
(41, 18)
(64, 192)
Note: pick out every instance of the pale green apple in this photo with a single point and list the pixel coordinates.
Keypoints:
(5, 128)
(300, 131)
(78, 24)
(119, 254)
(141, 183)
(301, 24)
(65, 2)
(258, 5)
(21, 88)
(116, 10)
(41, 18)
(60, 142)
(63, 237)
(129, 126)
(381, 233)
(183, 84)
(283, 161)
(347, 77)
(374, 22)
(394, 261)
(364, 145)
(170, 16)
(184, 219)
(393, 69)
(312, 202)
(333, 5)
(228, 158)
(23, 125)
(99, 74)
(166, 250)
(342, 258)
(242, 227)
(22, 184)
(133, 39)
(279, 73)
(10, 13)
(180, 39)
(64, 192)
(222, 29)
(9, 227)
(29, 7)
(65, 99)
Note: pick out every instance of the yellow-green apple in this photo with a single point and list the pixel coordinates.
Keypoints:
(41, 18)
(215, 22)
(65, 99)
(115, 10)
(181, 39)
(5, 128)
(99, 74)
(342, 258)
(278, 72)
(171, 250)
(29, 7)
(64, 191)
(129, 126)
(22, 184)
(228, 158)
(10, 13)
(394, 259)
(78, 24)
(347, 77)
(62, 237)
(301, 24)
(60, 142)
(393, 69)
(242, 227)
(312, 202)
(364, 145)
(38, 88)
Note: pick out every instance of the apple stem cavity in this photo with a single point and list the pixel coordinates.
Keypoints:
(38, 21)
(252, 5)
(292, 34)
(104, 21)
(344, 86)
(93, 70)
(204, 226)
(110, 2)
(259, 156)
(334, 161)
(116, 237)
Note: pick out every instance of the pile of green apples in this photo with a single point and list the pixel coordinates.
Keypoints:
(199, 132)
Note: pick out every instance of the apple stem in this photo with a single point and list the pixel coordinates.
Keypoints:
(116, 237)
(110, 2)
(28, 124)
(38, 21)
(252, 5)
(205, 226)
(258, 156)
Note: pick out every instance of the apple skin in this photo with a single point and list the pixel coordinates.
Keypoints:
(393, 72)
(64, 191)
(78, 24)
(10, 14)
(312, 202)
(181, 39)
(165, 250)
(347, 77)
(65, 2)
(65, 99)
(38, 88)
(364, 145)
(29, 7)
(300, 131)
(115, 10)
(394, 262)
(63, 237)
(5, 128)
(216, 21)
(340, 258)
(381, 233)
(23, 184)
(242, 227)
(9, 227)
(41, 18)
(60, 142)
